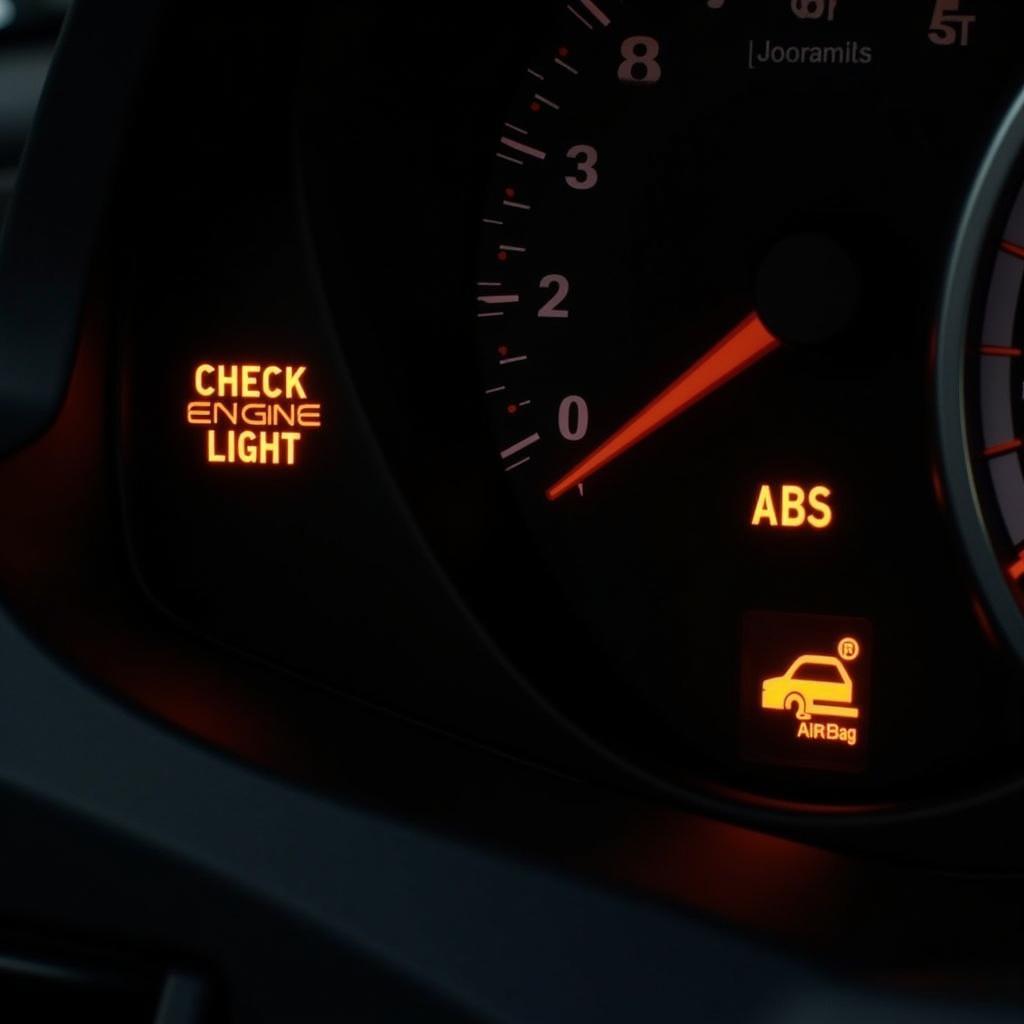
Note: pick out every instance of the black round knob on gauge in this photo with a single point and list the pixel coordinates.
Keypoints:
(808, 290)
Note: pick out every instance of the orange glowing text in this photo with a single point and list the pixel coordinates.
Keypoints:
(233, 398)
(791, 507)
(817, 686)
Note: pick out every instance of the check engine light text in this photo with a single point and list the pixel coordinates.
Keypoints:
(253, 414)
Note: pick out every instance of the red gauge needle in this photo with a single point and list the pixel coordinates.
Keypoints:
(745, 345)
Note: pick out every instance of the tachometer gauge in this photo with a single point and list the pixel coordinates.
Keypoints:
(708, 261)
(980, 377)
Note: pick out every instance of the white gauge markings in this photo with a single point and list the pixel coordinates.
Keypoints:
(515, 150)
(522, 147)
(599, 16)
(576, 14)
(520, 446)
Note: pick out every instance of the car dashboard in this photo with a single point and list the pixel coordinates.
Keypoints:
(515, 513)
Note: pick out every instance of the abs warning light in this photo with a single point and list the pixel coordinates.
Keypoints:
(805, 688)
(253, 415)
(791, 507)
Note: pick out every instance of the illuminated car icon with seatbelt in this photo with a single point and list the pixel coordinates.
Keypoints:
(814, 685)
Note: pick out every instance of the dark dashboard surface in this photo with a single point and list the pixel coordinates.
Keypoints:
(512, 514)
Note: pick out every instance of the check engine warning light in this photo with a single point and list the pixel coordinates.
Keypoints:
(805, 688)
(253, 415)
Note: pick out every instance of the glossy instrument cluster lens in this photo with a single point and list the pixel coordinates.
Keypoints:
(709, 257)
(655, 366)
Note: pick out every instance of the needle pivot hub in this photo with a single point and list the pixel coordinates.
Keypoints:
(808, 290)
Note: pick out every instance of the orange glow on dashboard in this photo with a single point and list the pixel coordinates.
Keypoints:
(249, 380)
(791, 507)
(274, 396)
(805, 683)
(817, 686)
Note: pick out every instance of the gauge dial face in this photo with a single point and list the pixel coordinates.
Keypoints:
(999, 389)
(708, 262)
(981, 380)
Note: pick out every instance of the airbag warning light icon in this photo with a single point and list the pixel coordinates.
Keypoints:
(817, 685)
(813, 713)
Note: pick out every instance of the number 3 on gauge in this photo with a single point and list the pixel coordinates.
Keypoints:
(586, 176)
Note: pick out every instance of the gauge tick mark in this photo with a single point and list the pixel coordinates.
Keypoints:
(1016, 570)
(576, 14)
(1002, 449)
(520, 446)
(522, 147)
(602, 19)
